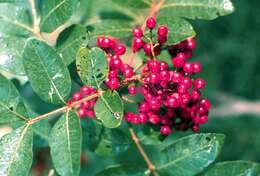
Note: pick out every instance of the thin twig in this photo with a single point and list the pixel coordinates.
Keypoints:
(65, 108)
(36, 20)
(142, 152)
(128, 100)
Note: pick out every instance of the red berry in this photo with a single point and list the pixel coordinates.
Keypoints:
(154, 104)
(187, 81)
(161, 39)
(151, 23)
(203, 119)
(172, 102)
(132, 90)
(191, 43)
(197, 67)
(85, 90)
(188, 67)
(162, 30)
(137, 44)
(127, 71)
(116, 62)
(77, 96)
(154, 66)
(105, 43)
(175, 77)
(163, 65)
(165, 130)
(137, 32)
(195, 95)
(113, 83)
(112, 74)
(153, 118)
(154, 78)
(82, 113)
(182, 88)
(205, 102)
(196, 128)
(120, 49)
(143, 107)
(199, 83)
(148, 49)
(179, 60)
(164, 75)
(142, 118)
(85, 104)
(90, 113)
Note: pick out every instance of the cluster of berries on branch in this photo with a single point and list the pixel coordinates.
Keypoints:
(171, 93)
(172, 98)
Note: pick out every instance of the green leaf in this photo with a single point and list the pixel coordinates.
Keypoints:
(134, 3)
(55, 13)
(65, 143)
(91, 133)
(189, 155)
(70, 41)
(122, 170)
(16, 152)
(92, 66)
(109, 109)
(48, 75)
(12, 108)
(11, 48)
(234, 168)
(114, 28)
(179, 29)
(15, 19)
(201, 9)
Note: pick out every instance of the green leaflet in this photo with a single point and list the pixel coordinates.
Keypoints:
(109, 109)
(65, 143)
(16, 152)
(48, 75)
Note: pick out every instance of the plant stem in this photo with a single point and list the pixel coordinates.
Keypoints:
(142, 152)
(65, 108)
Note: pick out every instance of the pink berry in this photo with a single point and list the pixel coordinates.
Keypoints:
(77, 96)
(197, 67)
(191, 43)
(175, 77)
(154, 119)
(196, 128)
(85, 104)
(154, 66)
(165, 130)
(142, 118)
(148, 49)
(90, 113)
(203, 119)
(172, 102)
(82, 113)
(85, 90)
(151, 23)
(137, 44)
(162, 30)
(195, 95)
(199, 83)
(164, 75)
(188, 67)
(163, 65)
(113, 83)
(120, 50)
(143, 107)
(137, 32)
(132, 90)
(205, 102)
(112, 74)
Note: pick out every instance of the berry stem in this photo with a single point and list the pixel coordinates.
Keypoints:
(65, 108)
(154, 9)
(142, 152)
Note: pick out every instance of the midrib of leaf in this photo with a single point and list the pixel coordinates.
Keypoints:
(46, 71)
(92, 70)
(14, 112)
(189, 4)
(16, 23)
(181, 158)
(17, 147)
(53, 10)
(68, 136)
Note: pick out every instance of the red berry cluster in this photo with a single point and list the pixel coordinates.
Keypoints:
(86, 107)
(117, 69)
(172, 98)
